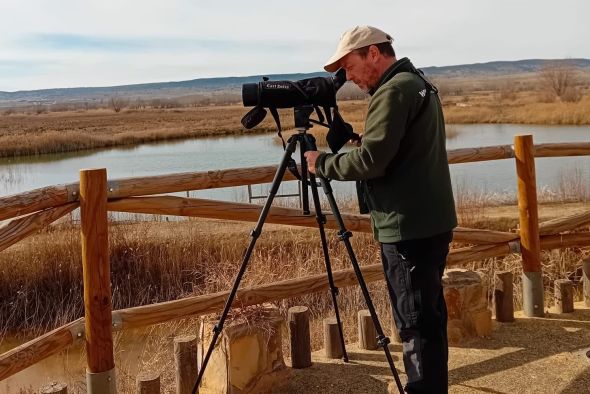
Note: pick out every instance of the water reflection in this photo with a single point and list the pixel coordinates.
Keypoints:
(11, 176)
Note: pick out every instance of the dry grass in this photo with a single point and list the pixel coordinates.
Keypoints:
(514, 99)
(557, 113)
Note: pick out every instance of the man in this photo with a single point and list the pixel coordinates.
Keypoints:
(402, 162)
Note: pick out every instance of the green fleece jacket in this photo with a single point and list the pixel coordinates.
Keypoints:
(402, 159)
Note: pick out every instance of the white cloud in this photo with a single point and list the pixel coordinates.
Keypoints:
(118, 42)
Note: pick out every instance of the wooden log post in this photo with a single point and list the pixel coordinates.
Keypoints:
(54, 388)
(148, 383)
(187, 367)
(300, 338)
(100, 374)
(367, 331)
(530, 244)
(332, 344)
(504, 297)
(564, 296)
(586, 280)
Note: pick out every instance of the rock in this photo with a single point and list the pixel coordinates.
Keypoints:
(468, 313)
(248, 357)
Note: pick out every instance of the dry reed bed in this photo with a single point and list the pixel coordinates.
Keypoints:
(557, 113)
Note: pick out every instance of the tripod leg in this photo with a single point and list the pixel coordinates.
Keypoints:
(254, 234)
(304, 173)
(345, 235)
(321, 219)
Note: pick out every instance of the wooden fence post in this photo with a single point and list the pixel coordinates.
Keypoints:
(564, 296)
(300, 339)
(586, 280)
(504, 297)
(530, 245)
(54, 388)
(367, 331)
(332, 343)
(187, 367)
(148, 383)
(100, 374)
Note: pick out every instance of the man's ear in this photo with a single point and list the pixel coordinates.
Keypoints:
(373, 53)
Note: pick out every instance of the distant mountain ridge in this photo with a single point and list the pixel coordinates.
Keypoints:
(233, 84)
(502, 67)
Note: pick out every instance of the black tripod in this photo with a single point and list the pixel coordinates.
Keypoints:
(306, 142)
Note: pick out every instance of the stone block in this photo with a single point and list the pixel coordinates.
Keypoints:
(248, 357)
(465, 297)
(481, 322)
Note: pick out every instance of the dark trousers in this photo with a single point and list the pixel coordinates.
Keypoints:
(413, 272)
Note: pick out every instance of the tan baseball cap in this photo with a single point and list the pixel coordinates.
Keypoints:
(355, 38)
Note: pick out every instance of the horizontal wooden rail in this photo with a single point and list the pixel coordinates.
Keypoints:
(480, 252)
(566, 223)
(486, 153)
(47, 197)
(40, 348)
(159, 313)
(172, 183)
(34, 200)
(483, 237)
(562, 149)
(212, 209)
(560, 241)
(17, 229)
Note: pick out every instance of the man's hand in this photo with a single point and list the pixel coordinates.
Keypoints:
(358, 142)
(311, 156)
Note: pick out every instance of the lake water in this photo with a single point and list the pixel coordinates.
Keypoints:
(495, 177)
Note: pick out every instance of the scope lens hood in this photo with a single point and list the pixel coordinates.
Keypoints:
(250, 94)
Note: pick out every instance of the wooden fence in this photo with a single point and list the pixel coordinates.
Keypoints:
(95, 195)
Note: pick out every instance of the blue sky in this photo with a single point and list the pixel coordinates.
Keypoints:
(65, 43)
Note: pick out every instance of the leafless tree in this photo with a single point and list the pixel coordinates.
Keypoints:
(558, 77)
(117, 104)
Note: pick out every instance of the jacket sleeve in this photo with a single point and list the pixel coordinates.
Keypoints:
(384, 128)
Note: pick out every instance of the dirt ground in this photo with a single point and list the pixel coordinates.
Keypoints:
(531, 355)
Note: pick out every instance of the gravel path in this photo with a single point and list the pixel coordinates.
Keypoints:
(531, 355)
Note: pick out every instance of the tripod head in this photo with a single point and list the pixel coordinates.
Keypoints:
(306, 142)
(303, 123)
